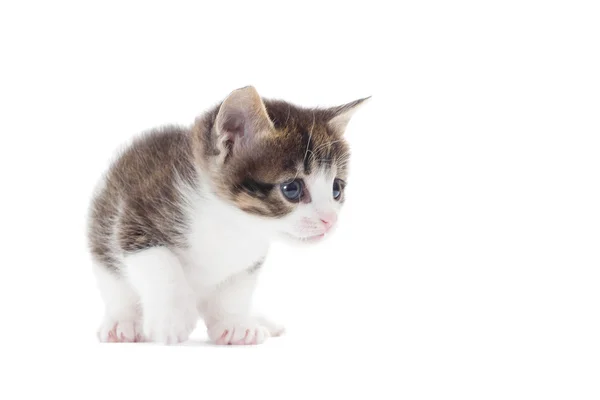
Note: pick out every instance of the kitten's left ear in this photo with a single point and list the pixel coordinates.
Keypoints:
(341, 115)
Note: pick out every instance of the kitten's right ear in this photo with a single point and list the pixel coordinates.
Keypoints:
(242, 119)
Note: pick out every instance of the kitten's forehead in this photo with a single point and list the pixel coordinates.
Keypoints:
(304, 140)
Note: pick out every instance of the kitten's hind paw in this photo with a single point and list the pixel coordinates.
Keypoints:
(123, 331)
(273, 328)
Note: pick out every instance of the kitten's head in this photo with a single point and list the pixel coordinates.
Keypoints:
(286, 164)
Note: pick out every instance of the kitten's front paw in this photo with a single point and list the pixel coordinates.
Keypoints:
(238, 332)
(170, 323)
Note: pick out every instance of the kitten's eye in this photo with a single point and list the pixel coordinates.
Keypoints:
(292, 190)
(337, 189)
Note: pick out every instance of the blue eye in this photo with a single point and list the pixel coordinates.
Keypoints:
(337, 189)
(292, 190)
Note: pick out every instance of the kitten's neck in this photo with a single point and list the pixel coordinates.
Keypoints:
(216, 211)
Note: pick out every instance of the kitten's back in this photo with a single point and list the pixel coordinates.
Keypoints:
(141, 203)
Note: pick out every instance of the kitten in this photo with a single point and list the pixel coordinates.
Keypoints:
(183, 219)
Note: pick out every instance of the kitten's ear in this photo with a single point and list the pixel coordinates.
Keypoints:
(242, 117)
(341, 115)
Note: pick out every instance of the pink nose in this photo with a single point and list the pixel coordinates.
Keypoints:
(328, 220)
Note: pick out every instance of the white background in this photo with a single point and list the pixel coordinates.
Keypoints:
(467, 262)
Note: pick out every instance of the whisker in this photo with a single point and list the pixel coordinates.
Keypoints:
(327, 144)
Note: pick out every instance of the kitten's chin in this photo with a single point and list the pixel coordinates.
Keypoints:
(302, 240)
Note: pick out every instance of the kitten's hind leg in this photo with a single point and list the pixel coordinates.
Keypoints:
(168, 303)
(122, 319)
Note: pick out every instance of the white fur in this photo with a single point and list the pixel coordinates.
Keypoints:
(168, 303)
(210, 278)
(122, 315)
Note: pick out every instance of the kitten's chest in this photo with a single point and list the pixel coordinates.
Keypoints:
(221, 243)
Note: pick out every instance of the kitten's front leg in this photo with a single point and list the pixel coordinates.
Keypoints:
(168, 303)
(227, 313)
